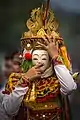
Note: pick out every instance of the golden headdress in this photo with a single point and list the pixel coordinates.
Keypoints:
(41, 22)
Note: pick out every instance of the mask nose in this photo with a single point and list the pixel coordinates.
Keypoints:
(39, 61)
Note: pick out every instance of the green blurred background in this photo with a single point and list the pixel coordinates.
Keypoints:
(13, 16)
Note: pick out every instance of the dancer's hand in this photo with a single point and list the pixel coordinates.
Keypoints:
(33, 73)
(51, 45)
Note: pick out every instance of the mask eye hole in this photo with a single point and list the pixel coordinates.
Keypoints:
(44, 59)
(35, 59)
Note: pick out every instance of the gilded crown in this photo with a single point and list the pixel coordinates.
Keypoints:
(42, 21)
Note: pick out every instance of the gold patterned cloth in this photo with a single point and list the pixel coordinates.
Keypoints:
(43, 101)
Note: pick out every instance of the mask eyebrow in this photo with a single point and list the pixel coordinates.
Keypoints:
(35, 54)
(43, 54)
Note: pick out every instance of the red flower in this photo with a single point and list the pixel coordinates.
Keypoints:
(28, 56)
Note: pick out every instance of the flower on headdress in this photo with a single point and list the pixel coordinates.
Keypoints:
(28, 56)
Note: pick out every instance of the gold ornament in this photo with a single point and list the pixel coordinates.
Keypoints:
(42, 21)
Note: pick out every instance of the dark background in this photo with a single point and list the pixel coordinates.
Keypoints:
(13, 15)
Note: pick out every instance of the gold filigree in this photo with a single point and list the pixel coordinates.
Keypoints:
(35, 22)
(36, 26)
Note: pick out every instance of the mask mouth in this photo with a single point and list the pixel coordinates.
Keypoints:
(43, 68)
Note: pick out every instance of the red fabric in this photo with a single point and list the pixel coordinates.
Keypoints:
(47, 97)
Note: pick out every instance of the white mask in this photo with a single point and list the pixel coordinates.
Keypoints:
(41, 56)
